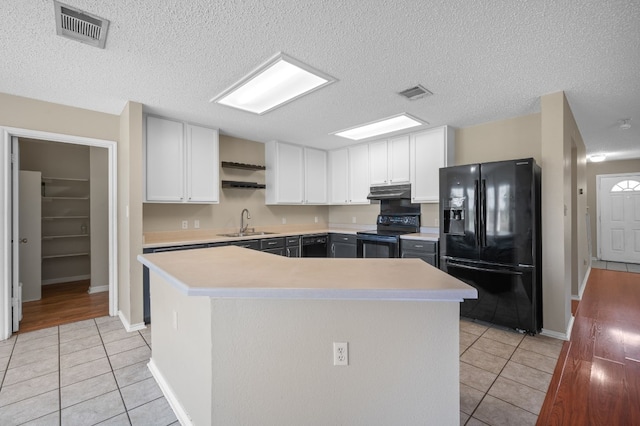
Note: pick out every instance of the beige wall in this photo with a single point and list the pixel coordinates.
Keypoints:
(604, 168)
(270, 361)
(226, 214)
(130, 214)
(509, 139)
(99, 222)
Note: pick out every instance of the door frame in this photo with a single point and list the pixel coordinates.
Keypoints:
(598, 201)
(6, 182)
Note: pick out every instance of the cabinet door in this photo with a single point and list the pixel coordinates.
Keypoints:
(430, 150)
(164, 151)
(202, 165)
(378, 163)
(285, 173)
(315, 179)
(358, 174)
(339, 176)
(398, 160)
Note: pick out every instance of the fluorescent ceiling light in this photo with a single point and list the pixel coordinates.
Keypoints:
(381, 127)
(597, 158)
(279, 80)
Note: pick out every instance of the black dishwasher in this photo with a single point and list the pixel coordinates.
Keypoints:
(314, 245)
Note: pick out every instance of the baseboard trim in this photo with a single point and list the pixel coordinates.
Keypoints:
(66, 279)
(583, 285)
(130, 327)
(558, 335)
(175, 405)
(98, 289)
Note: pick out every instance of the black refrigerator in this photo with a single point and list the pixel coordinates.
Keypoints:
(490, 239)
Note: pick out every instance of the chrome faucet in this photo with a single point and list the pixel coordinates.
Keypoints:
(244, 227)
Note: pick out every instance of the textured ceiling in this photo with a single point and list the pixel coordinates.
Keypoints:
(483, 60)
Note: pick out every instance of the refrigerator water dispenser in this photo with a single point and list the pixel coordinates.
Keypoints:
(454, 218)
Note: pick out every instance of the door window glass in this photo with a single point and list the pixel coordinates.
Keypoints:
(626, 185)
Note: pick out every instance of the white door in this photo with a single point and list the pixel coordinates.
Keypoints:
(619, 225)
(30, 224)
(339, 176)
(358, 174)
(315, 176)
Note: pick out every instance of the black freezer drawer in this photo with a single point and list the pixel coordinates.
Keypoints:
(507, 296)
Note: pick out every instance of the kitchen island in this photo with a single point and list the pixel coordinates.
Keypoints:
(245, 337)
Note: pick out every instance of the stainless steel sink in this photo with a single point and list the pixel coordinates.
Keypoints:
(246, 234)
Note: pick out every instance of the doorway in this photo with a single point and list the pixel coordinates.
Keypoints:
(9, 219)
(66, 254)
(619, 217)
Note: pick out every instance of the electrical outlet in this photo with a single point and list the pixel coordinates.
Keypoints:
(175, 320)
(284, 220)
(435, 221)
(316, 219)
(196, 224)
(185, 224)
(340, 353)
(353, 219)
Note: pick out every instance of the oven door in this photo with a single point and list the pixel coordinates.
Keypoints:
(370, 245)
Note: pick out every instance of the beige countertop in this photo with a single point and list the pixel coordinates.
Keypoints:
(175, 238)
(165, 239)
(421, 236)
(234, 272)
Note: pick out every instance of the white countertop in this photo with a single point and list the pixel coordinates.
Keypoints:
(234, 272)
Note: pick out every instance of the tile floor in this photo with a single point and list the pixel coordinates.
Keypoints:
(83, 373)
(504, 375)
(616, 266)
(94, 372)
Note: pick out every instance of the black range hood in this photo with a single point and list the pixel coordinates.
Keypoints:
(390, 192)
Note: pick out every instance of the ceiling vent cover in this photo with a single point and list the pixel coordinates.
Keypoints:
(80, 26)
(415, 92)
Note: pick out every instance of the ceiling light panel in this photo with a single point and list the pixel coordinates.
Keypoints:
(276, 82)
(381, 127)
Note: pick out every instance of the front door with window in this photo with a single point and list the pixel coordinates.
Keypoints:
(619, 225)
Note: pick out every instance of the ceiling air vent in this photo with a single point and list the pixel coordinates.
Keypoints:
(415, 92)
(80, 26)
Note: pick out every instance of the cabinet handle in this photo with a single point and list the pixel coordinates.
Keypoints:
(272, 243)
(418, 246)
(333, 249)
(345, 239)
(288, 252)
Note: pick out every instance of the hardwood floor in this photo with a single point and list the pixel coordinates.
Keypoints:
(597, 378)
(62, 304)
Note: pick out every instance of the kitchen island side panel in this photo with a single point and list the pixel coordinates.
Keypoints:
(273, 362)
(181, 347)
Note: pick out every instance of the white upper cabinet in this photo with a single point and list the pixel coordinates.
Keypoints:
(430, 150)
(339, 176)
(389, 161)
(358, 174)
(315, 176)
(295, 175)
(181, 162)
(378, 162)
(203, 172)
(284, 175)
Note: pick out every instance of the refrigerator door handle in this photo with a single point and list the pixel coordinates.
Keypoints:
(483, 218)
(476, 226)
(476, 268)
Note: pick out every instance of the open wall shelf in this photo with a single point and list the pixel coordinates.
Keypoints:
(242, 184)
(243, 166)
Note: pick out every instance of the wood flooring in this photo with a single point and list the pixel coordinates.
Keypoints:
(62, 304)
(597, 378)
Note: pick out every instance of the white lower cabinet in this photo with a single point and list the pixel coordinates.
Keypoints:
(181, 162)
(429, 151)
